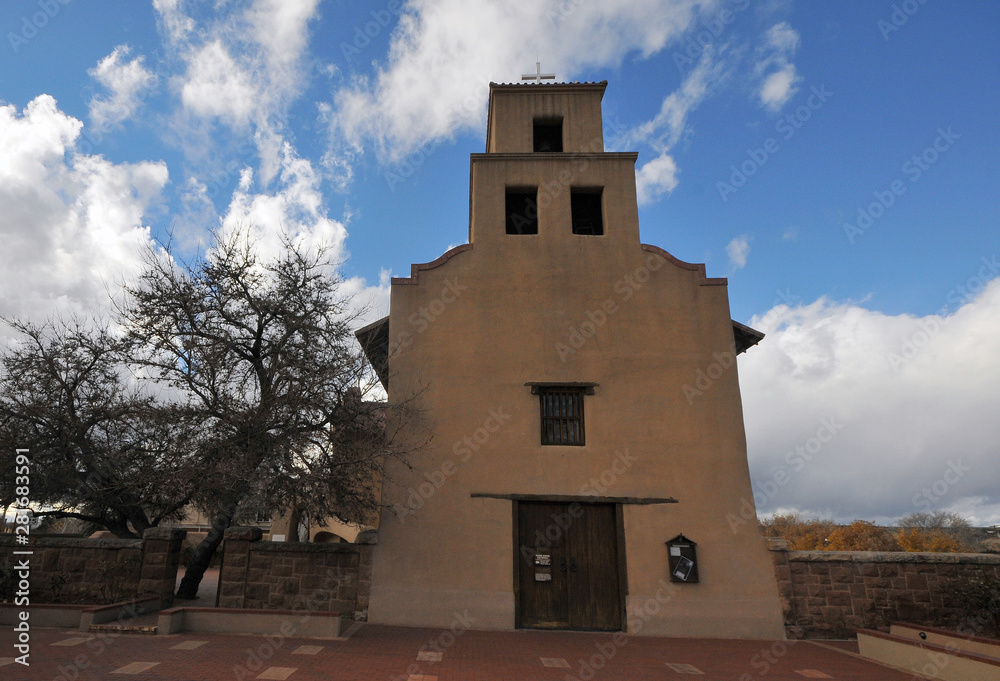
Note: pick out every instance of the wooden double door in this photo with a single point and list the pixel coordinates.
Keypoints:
(568, 560)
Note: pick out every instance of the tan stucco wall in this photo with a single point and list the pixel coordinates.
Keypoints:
(513, 111)
(468, 333)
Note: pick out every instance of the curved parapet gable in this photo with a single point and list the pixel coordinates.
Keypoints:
(699, 267)
(417, 268)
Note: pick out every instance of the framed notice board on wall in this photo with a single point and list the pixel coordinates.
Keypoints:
(683, 560)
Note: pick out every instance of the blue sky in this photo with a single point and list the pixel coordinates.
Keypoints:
(766, 131)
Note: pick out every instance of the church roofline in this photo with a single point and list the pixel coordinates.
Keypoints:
(575, 85)
(698, 267)
(521, 155)
(417, 268)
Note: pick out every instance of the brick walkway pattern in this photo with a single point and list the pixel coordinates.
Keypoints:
(412, 654)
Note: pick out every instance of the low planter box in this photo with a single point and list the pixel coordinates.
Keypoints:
(69, 616)
(287, 623)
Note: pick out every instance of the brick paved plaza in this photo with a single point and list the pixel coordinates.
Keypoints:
(412, 654)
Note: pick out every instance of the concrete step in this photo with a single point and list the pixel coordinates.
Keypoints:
(938, 661)
(942, 637)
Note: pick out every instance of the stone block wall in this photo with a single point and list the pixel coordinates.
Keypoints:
(101, 571)
(830, 594)
(265, 575)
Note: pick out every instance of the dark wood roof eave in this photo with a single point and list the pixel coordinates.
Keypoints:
(374, 340)
(745, 337)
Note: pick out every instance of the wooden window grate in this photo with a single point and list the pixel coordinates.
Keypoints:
(562, 416)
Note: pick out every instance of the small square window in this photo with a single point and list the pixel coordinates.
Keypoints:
(522, 211)
(548, 136)
(562, 416)
(585, 206)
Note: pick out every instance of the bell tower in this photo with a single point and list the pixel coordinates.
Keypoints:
(545, 183)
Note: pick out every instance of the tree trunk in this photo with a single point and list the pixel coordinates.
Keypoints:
(201, 558)
(294, 518)
(119, 528)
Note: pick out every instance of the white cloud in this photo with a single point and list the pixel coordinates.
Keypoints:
(663, 131)
(779, 77)
(70, 223)
(738, 249)
(126, 80)
(655, 178)
(176, 24)
(216, 87)
(443, 53)
(296, 209)
(912, 398)
(243, 69)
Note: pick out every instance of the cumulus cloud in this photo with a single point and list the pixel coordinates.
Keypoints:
(296, 208)
(854, 413)
(655, 178)
(242, 69)
(215, 86)
(738, 249)
(443, 53)
(70, 223)
(242, 66)
(778, 76)
(126, 80)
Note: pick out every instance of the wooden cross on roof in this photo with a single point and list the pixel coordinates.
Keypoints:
(538, 76)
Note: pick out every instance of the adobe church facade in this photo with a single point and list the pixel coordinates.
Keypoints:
(583, 396)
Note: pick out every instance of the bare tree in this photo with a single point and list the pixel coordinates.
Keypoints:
(262, 349)
(102, 450)
(934, 520)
